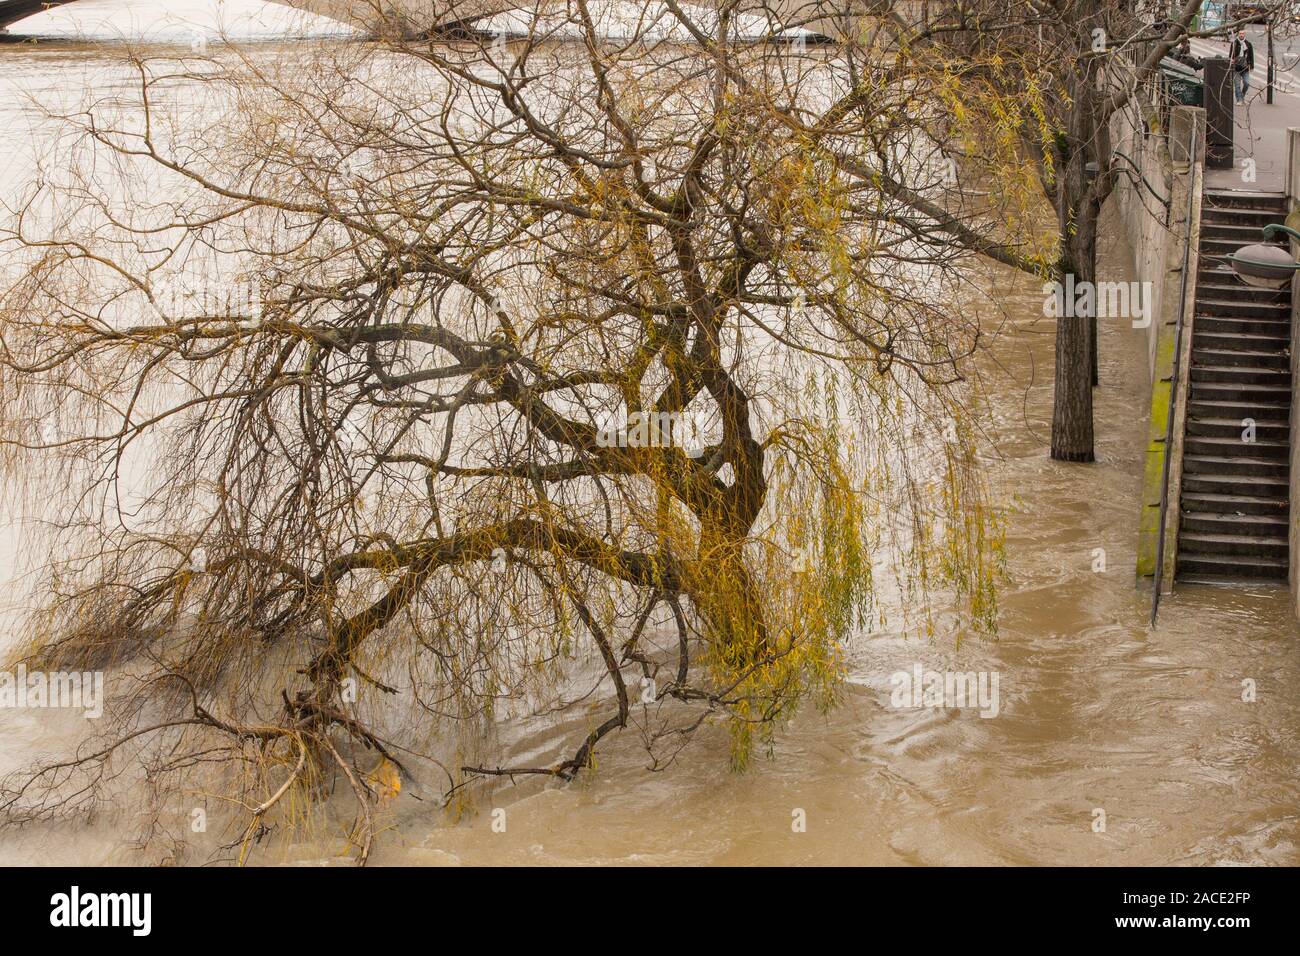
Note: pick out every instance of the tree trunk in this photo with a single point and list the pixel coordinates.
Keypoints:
(1078, 207)
(1072, 410)
(1076, 327)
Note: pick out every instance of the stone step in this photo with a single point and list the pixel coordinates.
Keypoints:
(1230, 580)
(1231, 287)
(1234, 428)
(1235, 375)
(1225, 247)
(1250, 526)
(1197, 464)
(1275, 547)
(1235, 411)
(1234, 565)
(1244, 233)
(1231, 392)
(1234, 503)
(1230, 342)
(1214, 503)
(1262, 487)
(1255, 219)
(1230, 325)
(1217, 272)
(1211, 446)
(1236, 308)
(1249, 199)
(1242, 358)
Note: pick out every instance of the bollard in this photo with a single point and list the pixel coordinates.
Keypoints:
(1218, 113)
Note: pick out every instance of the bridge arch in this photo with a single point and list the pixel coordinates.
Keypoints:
(421, 14)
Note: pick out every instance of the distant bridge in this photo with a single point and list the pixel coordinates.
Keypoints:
(417, 17)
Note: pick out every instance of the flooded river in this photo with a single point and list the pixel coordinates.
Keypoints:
(1097, 712)
(1100, 718)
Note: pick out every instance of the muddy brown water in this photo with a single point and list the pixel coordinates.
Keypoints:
(1097, 712)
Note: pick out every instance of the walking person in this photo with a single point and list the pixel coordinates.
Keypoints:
(1241, 58)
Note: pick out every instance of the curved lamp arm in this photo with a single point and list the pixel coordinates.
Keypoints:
(1277, 227)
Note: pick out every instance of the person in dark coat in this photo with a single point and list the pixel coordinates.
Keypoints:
(1241, 59)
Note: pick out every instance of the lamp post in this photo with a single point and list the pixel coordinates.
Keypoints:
(1266, 266)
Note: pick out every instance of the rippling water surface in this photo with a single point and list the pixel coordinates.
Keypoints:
(1097, 712)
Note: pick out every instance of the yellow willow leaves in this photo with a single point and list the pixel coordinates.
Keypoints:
(997, 121)
(815, 586)
(386, 780)
(973, 549)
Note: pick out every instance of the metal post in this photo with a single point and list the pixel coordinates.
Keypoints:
(1271, 68)
(1219, 105)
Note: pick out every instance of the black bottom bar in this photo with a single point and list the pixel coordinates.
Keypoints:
(338, 907)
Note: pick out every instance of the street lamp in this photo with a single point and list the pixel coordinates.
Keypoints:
(1266, 266)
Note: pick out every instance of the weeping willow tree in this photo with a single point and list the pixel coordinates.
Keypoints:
(380, 394)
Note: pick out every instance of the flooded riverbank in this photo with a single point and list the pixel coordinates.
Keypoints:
(1097, 713)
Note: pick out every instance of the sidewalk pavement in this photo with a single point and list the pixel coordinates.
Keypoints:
(1260, 129)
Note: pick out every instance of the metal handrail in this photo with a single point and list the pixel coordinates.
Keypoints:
(1170, 429)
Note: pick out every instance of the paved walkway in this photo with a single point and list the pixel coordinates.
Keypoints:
(1260, 127)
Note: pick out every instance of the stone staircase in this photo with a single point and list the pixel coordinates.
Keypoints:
(1234, 507)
